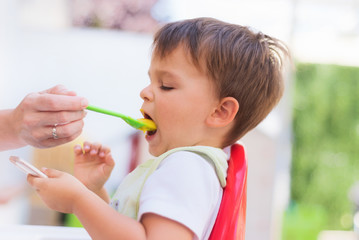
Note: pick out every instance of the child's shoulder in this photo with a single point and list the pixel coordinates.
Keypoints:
(197, 159)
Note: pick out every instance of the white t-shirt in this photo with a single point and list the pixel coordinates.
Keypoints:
(186, 189)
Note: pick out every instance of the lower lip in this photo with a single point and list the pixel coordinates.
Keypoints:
(150, 137)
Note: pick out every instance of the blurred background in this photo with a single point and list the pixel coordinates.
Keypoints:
(303, 159)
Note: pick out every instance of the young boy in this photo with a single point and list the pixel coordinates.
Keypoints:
(211, 82)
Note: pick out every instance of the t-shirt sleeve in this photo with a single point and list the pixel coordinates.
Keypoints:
(184, 188)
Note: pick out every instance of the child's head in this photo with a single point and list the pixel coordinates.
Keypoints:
(236, 62)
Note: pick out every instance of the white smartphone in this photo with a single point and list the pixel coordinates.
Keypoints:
(26, 167)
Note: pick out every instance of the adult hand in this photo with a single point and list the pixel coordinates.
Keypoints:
(43, 119)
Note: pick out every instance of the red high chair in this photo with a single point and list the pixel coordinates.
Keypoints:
(231, 219)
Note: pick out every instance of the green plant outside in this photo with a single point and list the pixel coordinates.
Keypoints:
(325, 156)
(304, 222)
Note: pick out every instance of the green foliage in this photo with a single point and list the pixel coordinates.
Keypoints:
(326, 139)
(304, 222)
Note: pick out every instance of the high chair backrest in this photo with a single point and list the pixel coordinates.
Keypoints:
(231, 219)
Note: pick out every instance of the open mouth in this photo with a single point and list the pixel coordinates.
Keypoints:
(146, 116)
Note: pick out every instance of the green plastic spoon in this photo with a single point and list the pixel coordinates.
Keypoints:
(141, 124)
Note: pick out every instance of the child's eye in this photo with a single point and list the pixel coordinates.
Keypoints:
(165, 88)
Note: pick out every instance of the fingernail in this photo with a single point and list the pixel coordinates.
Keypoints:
(84, 103)
(77, 147)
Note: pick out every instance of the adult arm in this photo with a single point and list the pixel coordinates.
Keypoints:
(32, 121)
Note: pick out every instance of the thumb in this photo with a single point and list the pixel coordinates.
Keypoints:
(109, 161)
(52, 173)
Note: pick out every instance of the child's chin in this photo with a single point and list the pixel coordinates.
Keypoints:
(154, 152)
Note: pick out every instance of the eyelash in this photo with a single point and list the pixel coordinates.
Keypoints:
(165, 88)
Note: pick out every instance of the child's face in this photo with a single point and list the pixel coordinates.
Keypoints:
(178, 99)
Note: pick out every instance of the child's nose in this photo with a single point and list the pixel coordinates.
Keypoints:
(146, 93)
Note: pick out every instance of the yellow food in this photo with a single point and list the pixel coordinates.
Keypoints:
(149, 125)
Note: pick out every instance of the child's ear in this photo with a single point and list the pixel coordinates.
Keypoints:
(224, 113)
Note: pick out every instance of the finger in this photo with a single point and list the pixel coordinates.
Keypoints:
(56, 142)
(58, 118)
(69, 130)
(52, 173)
(87, 147)
(95, 148)
(36, 182)
(31, 180)
(55, 118)
(49, 141)
(78, 149)
(109, 161)
(104, 151)
(54, 102)
(59, 89)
